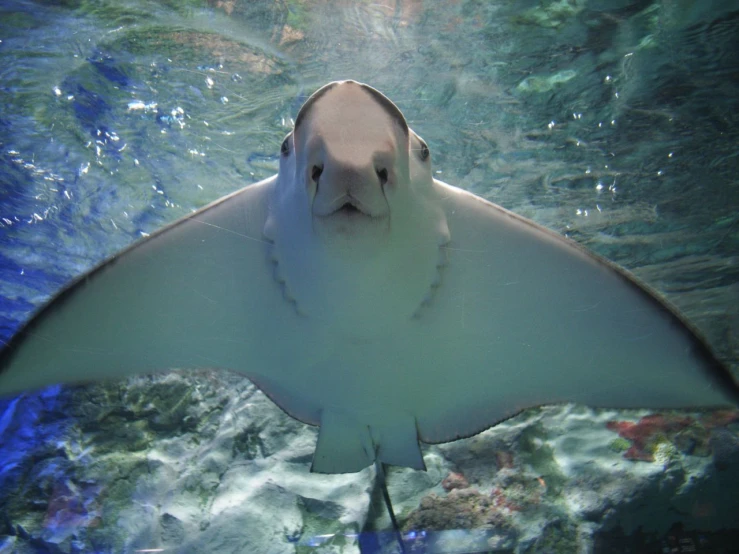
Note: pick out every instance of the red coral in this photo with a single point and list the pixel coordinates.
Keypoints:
(645, 433)
(638, 453)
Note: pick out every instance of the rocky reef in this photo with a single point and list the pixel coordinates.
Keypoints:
(205, 462)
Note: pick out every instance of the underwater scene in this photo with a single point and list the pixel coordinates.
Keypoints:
(415, 370)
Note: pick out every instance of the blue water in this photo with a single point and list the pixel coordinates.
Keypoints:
(613, 122)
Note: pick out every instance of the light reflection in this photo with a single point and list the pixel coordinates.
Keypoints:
(176, 115)
(139, 105)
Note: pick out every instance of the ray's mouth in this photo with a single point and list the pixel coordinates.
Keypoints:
(349, 209)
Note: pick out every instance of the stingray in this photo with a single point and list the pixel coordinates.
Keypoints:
(368, 298)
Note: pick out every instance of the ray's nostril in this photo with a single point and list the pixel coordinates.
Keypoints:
(315, 173)
(382, 175)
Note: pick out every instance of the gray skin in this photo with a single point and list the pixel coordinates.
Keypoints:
(367, 297)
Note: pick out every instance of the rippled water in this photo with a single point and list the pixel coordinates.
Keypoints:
(611, 121)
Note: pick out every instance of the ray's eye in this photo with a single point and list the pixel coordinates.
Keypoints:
(382, 175)
(285, 148)
(424, 151)
(315, 173)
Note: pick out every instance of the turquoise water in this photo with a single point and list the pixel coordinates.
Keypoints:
(613, 122)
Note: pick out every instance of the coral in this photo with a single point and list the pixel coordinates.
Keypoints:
(684, 433)
(519, 492)
(619, 445)
(507, 499)
(648, 432)
(454, 481)
(460, 509)
(468, 508)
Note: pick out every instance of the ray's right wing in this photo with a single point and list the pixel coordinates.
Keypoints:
(199, 293)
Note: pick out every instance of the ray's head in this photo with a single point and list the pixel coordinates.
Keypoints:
(353, 158)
